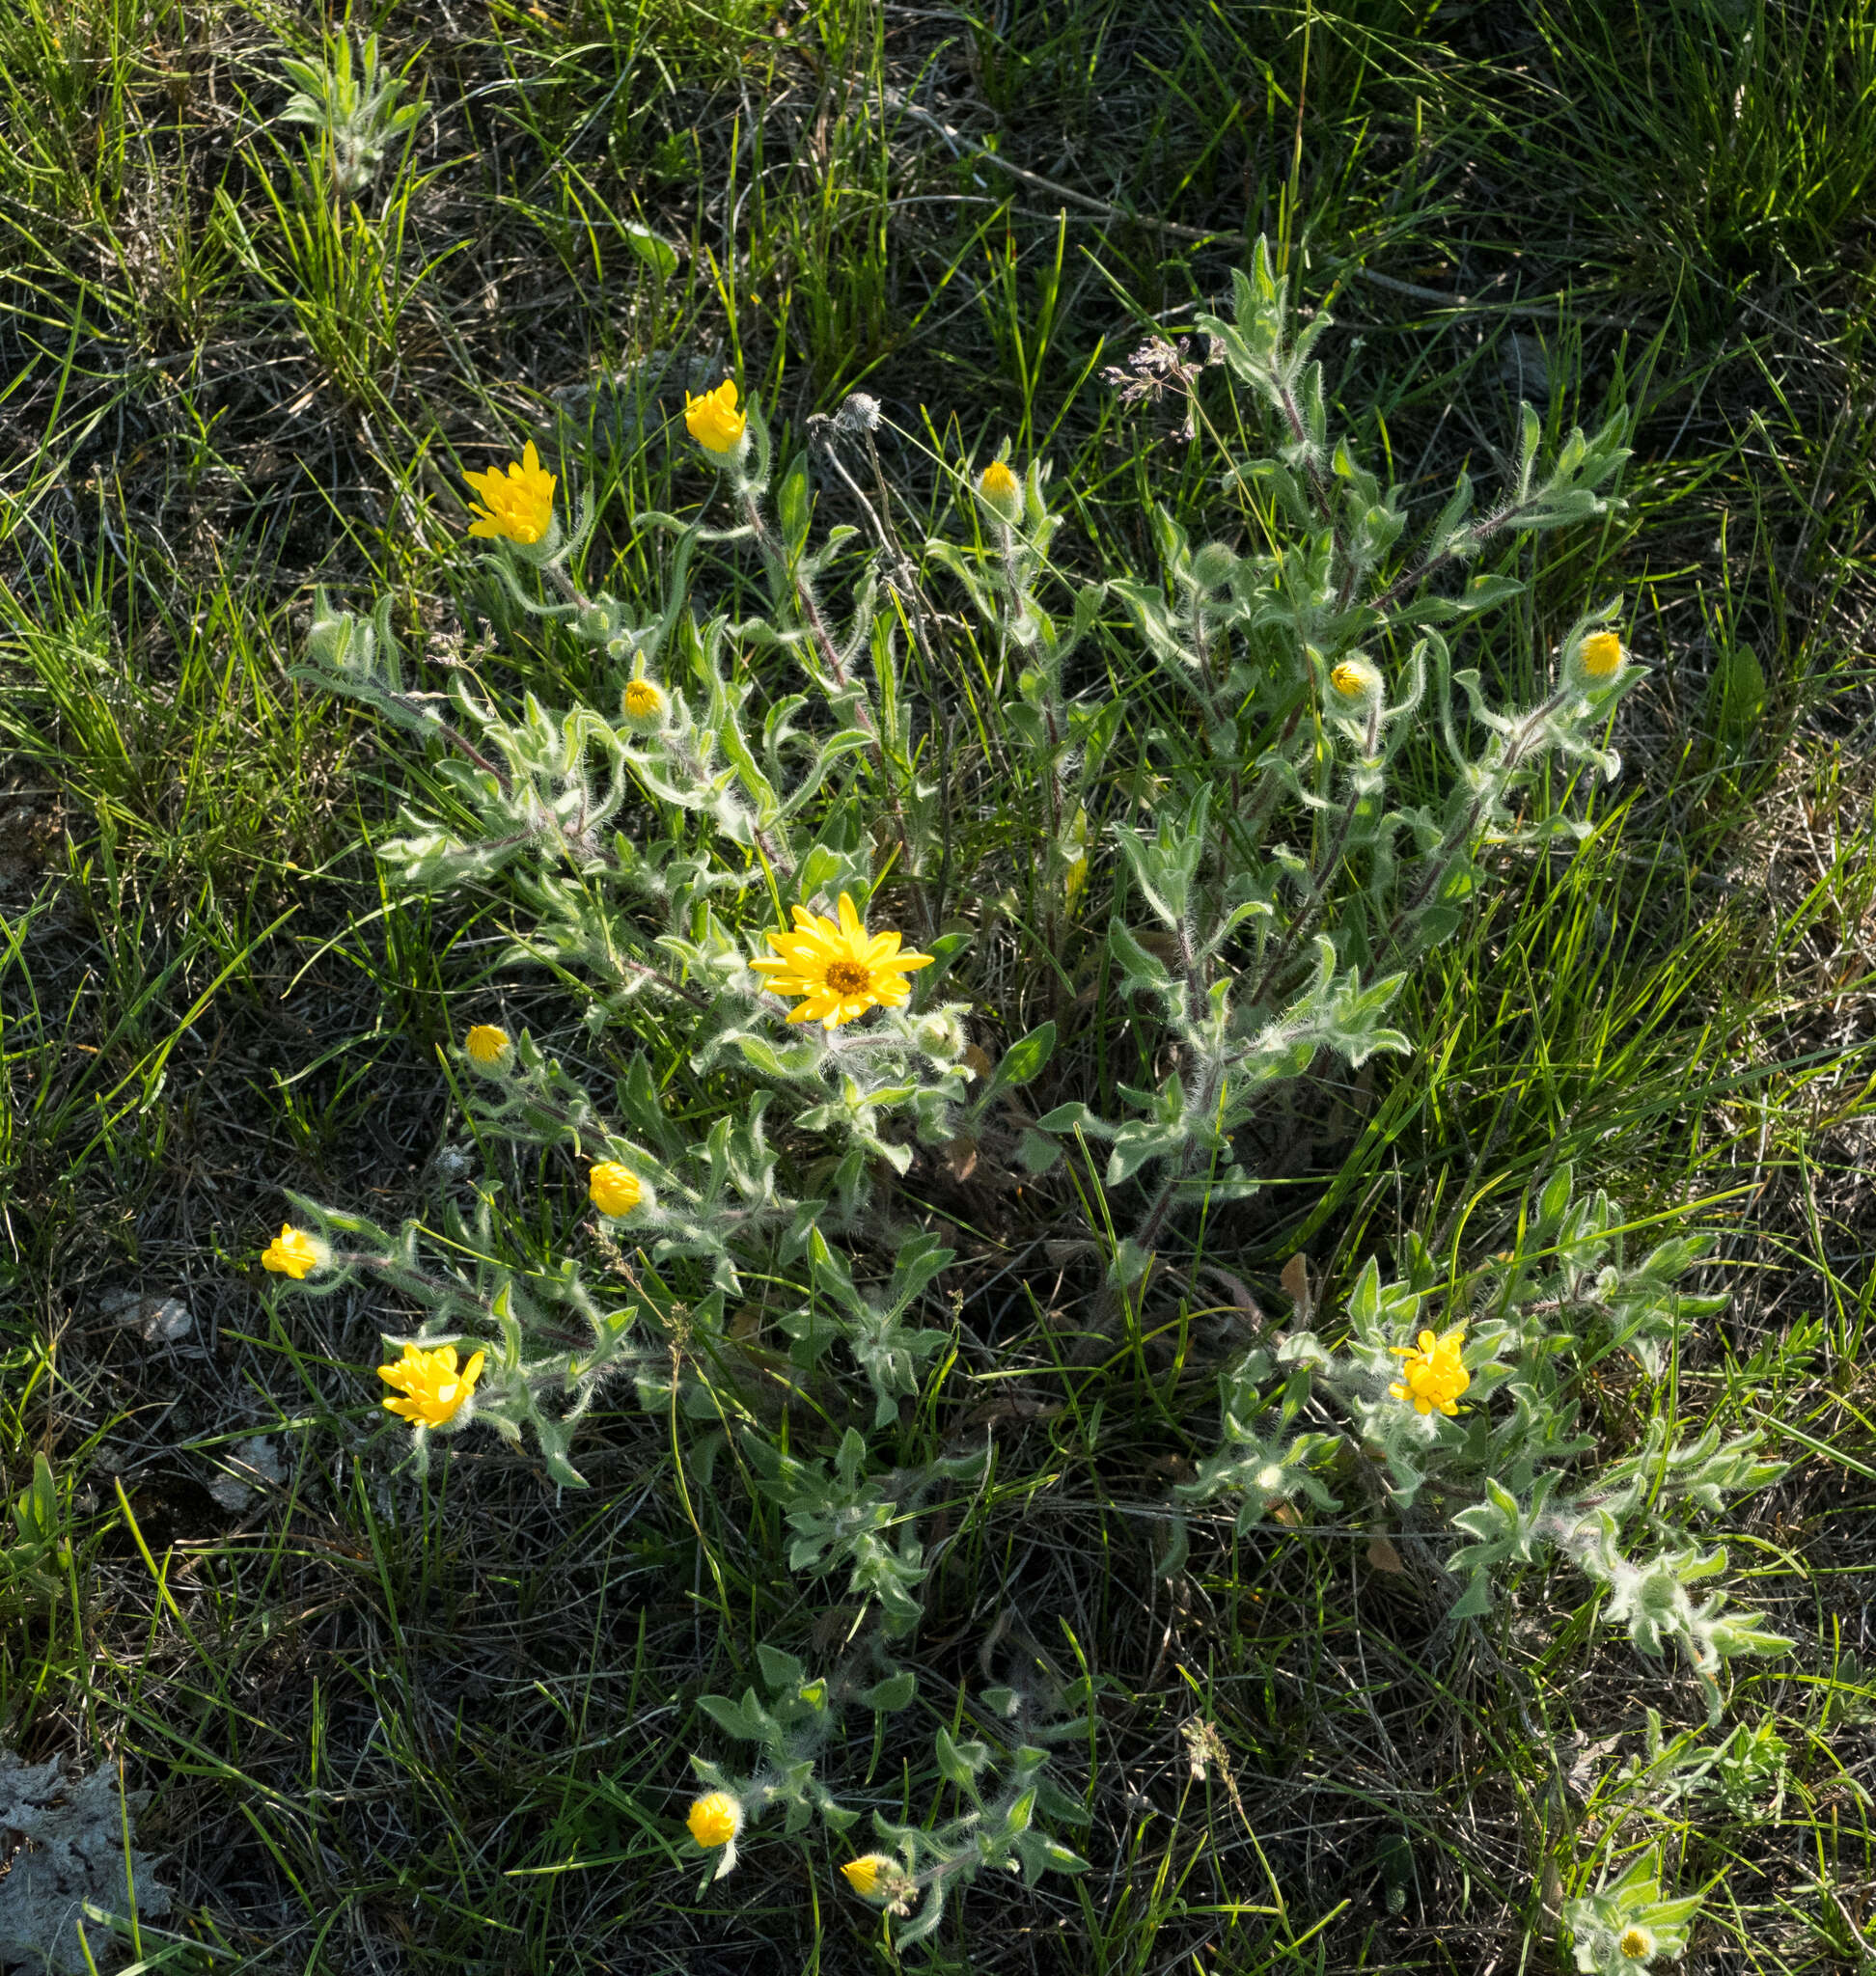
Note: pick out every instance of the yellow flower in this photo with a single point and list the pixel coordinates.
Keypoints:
(520, 508)
(713, 419)
(1002, 490)
(1600, 656)
(864, 1874)
(294, 1252)
(615, 1190)
(714, 1820)
(486, 1044)
(1356, 681)
(642, 701)
(1432, 1375)
(841, 971)
(1636, 1943)
(430, 1391)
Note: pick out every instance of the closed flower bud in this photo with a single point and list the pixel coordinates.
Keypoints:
(642, 703)
(615, 1190)
(1001, 492)
(874, 1877)
(714, 1820)
(487, 1046)
(338, 640)
(940, 1035)
(295, 1254)
(1355, 685)
(1599, 659)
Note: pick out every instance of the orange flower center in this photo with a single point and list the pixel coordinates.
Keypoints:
(850, 978)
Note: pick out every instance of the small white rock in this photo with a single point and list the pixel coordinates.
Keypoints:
(164, 1323)
(255, 1461)
(156, 1320)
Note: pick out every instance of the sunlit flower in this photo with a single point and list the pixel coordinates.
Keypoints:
(642, 701)
(294, 1252)
(1600, 656)
(1431, 1375)
(519, 507)
(1636, 1943)
(840, 970)
(1357, 682)
(1002, 490)
(486, 1044)
(872, 1876)
(430, 1391)
(615, 1190)
(713, 419)
(714, 1820)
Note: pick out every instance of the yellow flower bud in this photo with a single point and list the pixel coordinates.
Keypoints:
(873, 1876)
(1356, 683)
(1601, 656)
(486, 1045)
(714, 1820)
(1002, 492)
(642, 701)
(713, 419)
(295, 1254)
(615, 1190)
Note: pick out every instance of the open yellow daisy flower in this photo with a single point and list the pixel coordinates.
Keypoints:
(839, 969)
(521, 507)
(430, 1391)
(1431, 1375)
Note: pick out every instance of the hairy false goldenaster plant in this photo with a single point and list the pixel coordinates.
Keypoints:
(747, 853)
